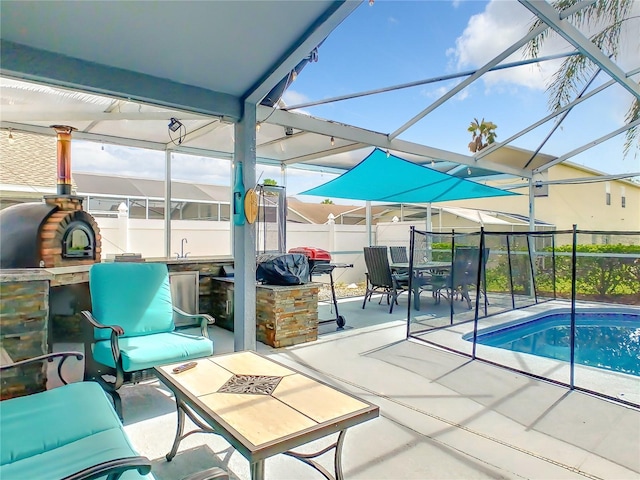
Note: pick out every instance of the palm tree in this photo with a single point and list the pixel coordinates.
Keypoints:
(327, 201)
(482, 134)
(610, 16)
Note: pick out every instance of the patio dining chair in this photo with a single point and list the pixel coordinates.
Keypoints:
(464, 274)
(133, 325)
(380, 278)
(398, 254)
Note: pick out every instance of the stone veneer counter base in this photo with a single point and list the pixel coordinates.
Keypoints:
(285, 315)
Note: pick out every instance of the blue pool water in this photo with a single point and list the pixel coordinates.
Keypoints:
(603, 340)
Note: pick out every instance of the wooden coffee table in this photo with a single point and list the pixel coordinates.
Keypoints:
(263, 408)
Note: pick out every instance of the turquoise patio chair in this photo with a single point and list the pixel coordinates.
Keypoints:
(133, 327)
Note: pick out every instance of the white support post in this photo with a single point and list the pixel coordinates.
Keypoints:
(167, 203)
(244, 239)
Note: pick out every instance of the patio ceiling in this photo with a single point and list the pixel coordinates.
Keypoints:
(118, 71)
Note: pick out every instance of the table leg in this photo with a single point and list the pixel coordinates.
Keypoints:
(337, 460)
(180, 435)
(257, 470)
(308, 458)
(416, 293)
(179, 430)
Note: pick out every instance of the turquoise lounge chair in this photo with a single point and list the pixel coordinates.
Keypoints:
(132, 316)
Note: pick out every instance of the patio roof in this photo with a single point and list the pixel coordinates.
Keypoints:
(123, 70)
(215, 57)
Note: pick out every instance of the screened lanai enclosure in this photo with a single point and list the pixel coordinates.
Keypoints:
(527, 300)
(224, 99)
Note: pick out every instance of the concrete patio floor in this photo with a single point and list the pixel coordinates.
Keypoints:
(441, 415)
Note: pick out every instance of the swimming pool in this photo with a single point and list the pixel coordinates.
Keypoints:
(603, 340)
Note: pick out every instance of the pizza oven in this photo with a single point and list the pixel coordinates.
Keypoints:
(55, 232)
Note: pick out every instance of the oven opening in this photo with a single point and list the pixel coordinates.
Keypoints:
(78, 241)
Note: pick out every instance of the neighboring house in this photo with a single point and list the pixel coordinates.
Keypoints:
(612, 205)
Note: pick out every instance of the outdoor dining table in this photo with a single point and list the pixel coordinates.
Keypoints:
(419, 268)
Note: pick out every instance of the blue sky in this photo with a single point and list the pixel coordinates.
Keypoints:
(393, 42)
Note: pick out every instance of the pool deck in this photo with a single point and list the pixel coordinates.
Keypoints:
(441, 415)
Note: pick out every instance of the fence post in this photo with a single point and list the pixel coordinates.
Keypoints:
(123, 227)
(573, 307)
(409, 293)
(453, 252)
(331, 222)
(479, 278)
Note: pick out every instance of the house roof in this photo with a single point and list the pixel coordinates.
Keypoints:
(28, 160)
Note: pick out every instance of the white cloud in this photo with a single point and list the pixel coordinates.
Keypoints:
(503, 23)
(491, 32)
(292, 97)
(438, 92)
(393, 20)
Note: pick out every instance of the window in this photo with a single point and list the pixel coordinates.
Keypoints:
(624, 202)
(623, 197)
(607, 189)
(104, 206)
(137, 208)
(608, 199)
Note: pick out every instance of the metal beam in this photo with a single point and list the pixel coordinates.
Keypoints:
(21, 62)
(587, 146)
(330, 151)
(114, 104)
(376, 139)
(201, 131)
(126, 142)
(599, 178)
(320, 29)
(571, 34)
(559, 121)
(462, 85)
(21, 116)
(485, 151)
(427, 81)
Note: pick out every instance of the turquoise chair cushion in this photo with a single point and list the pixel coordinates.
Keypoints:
(148, 351)
(136, 296)
(36, 442)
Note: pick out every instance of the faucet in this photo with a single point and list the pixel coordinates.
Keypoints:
(182, 254)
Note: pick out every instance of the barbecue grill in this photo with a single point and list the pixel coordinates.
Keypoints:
(320, 264)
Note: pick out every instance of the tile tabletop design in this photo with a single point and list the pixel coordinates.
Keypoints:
(265, 401)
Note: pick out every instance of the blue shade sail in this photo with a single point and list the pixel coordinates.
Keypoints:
(396, 180)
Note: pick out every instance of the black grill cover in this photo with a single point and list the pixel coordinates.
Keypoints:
(282, 269)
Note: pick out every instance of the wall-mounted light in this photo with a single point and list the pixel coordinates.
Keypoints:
(288, 131)
(10, 137)
(433, 163)
(333, 141)
(258, 126)
(388, 153)
(294, 75)
(174, 124)
(468, 170)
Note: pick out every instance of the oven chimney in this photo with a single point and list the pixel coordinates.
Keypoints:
(64, 158)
